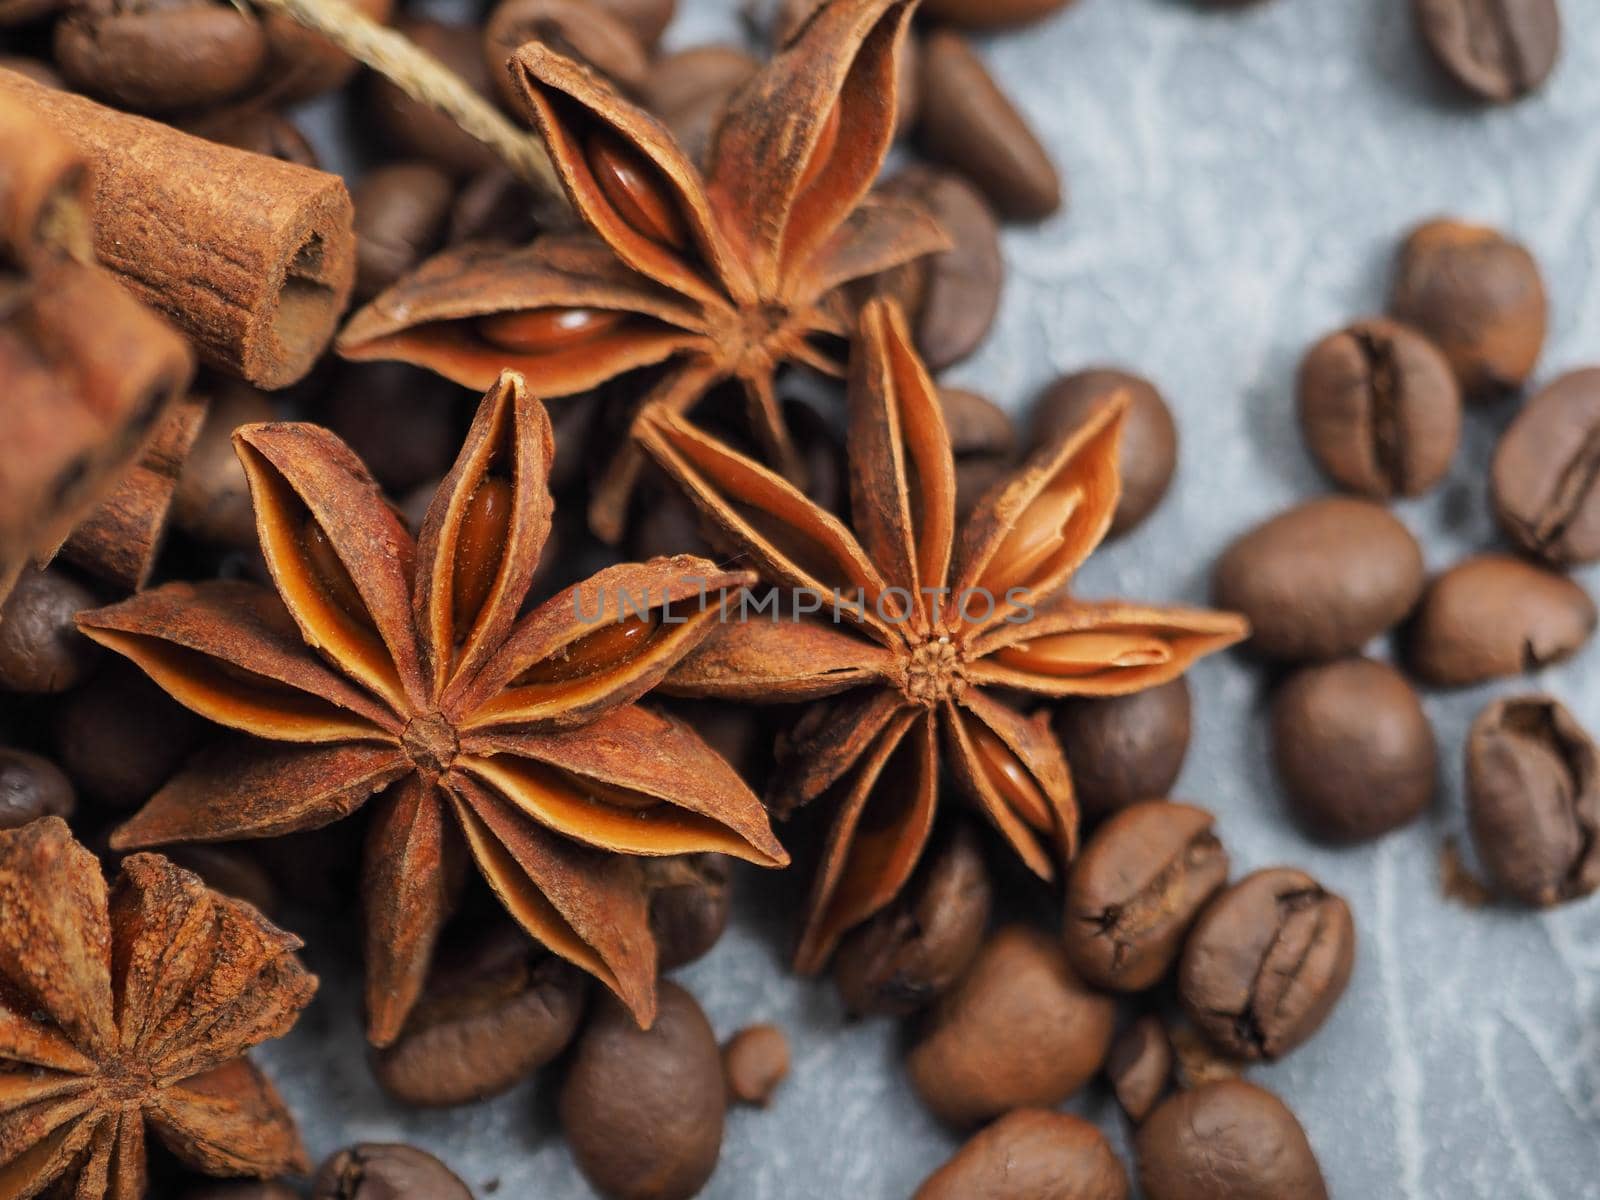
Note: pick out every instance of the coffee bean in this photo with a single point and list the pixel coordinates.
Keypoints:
(1140, 1066)
(1135, 890)
(159, 55)
(968, 123)
(576, 28)
(1497, 50)
(260, 131)
(1227, 1141)
(302, 63)
(41, 650)
(32, 787)
(754, 1062)
(976, 478)
(1354, 749)
(648, 19)
(120, 737)
(912, 952)
(690, 89)
(690, 895)
(1494, 616)
(487, 1019)
(35, 69)
(212, 501)
(1031, 1154)
(1546, 474)
(976, 424)
(643, 1110)
(1321, 580)
(1019, 1028)
(1266, 962)
(1149, 452)
(1123, 749)
(495, 206)
(400, 419)
(415, 130)
(1478, 296)
(1533, 798)
(232, 870)
(1379, 409)
(991, 14)
(401, 210)
(378, 1171)
(243, 1190)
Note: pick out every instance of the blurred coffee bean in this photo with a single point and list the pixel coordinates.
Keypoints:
(1266, 963)
(302, 63)
(35, 69)
(1496, 50)
(1227, 1141)
(1478, 296)
(1139, 1066)
(232, 870)
(648, 19)
(32, 787)
(1149, 453)
(977, 477)
(24, 12)
(378, 1171)
(243, 1190)
(968, 123)
(1533, 800)
(1494, 616)
(41, 650)
(976, 424)
(912, 952)
(690, 895)
(487, 1019)
(1380, 409)
(573, 421)
(690, 89)
(643, 1110)
(579, 29)
(1354, 749)
(1138, 885)
(400, 420)
(416, 131)
(822, 455)
(212, 501)
(1031, 1154)
(666, 523)
(991, 14)
(1019, 1029)
(754, 1062)
(1546, 474)
(258, 130)
(120, 737)
(1124, 749)
(159, 55)
(1321, 580)
(401, 210)
(493, 206)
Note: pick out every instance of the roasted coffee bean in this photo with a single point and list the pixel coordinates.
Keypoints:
(968, 123)
(379, 1171)
(32, 787)
(1354, 749)
(976, 478)
(487, 1019)
(243, 1190)
(754, 1062)
(1140, 1066)
(643, 1110)
(23, 12)
(579, 29)
(1379, 409)
(1321, 580)
(690, 89)
(494, 206)
(418, 131)
(1031, 1154)
(1149, 453)
(1266, 962)
(35, 69)
(912, 952)
(401, 211)
(1533, 798)
(121, 737)
(260, 131)
(1124, 749)
(1137, 887)
(1546, 475)
(159, 55)
(41, 650)
(212, 501)
(1498, 50)
(1019, 1028)
(647, 18)
(232, 870)
(1227, 1141)
(302, 63)
(1476, 295)
(690, 895)
(976, 424)
(1493, 616)
(400, 419)
(991, 14)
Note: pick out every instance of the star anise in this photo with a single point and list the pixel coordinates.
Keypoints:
(729, 274)
(130, 1012)
(516, 740)
(930, 632)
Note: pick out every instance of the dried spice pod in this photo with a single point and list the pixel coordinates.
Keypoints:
(133, 1008)
(931, 626)
(399, 669)
(250, 257)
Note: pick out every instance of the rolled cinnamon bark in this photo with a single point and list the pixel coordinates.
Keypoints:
(250, 257)
(44, 192)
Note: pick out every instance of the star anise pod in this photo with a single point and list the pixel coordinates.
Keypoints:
(131, 1012)
(516, 740)
(948, 623)
(729, 274)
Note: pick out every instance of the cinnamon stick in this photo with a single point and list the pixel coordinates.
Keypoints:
(250, 257)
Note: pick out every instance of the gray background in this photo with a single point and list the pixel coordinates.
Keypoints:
(1237, 184)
